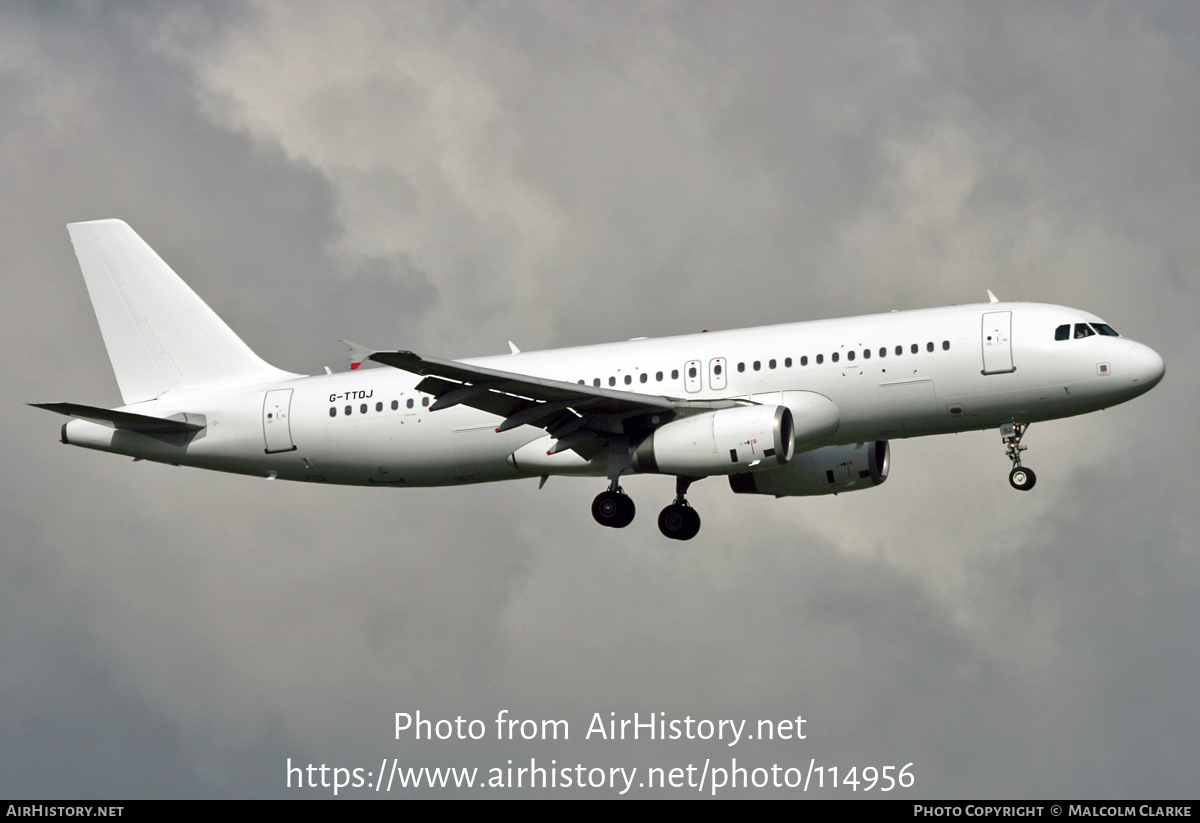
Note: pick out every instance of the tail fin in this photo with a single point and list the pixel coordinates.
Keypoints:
(159, 334)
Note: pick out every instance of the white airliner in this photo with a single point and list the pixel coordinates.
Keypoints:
(789, 410)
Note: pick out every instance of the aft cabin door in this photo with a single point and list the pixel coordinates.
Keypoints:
(997, 342)
(277, 426)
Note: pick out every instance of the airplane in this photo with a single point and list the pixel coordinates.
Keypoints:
(789, 410)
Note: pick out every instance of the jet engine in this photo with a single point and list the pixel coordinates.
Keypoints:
(726, 441)
(830, 470)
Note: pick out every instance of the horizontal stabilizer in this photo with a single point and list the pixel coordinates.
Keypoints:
(142, 423)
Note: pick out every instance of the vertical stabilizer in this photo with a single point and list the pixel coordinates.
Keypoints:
(159, 334)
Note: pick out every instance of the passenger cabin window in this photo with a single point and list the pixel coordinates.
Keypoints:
(804, 360)
(1083, 330)
(850, 354)
(1063, 332)
(820, 359)
(596, 382)
(410, 403)
(424, 401)
(834, 357)
(674, 374)
(646, 377)
(757, 365)
(658, 376)
(899, 350)
(770, 364)
(349, 409)
(717, 369)
(915, 348)
(333, 411)
(741, 366)
(395, 405)
(628, 379)
(1105, 329)
(379, 407)
(866, 354)
(945, 345)
(929, 346)
(612, 381)
(787, 362)
(883, 351)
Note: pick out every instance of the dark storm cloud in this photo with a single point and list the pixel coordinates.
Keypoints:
(446, 177)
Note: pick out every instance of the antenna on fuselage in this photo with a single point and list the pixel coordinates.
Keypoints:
(992, 298)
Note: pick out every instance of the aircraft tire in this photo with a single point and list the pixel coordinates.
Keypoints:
(1022, 479)
(613, 509)
(679, 522)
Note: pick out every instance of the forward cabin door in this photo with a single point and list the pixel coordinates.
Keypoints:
(277, 427)
(997, 342)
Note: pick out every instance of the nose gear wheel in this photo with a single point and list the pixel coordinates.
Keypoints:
(1022, 478)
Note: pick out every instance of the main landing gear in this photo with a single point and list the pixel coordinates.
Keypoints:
(1020, 477)
(678, 521)
(613, 508)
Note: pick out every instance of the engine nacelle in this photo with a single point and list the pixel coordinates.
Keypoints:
(726, 441)
(830, 470)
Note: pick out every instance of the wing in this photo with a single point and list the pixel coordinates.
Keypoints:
(578, 416)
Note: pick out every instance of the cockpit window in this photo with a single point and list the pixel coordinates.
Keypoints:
(1063, 332)
(1105, 329)
(1083, 330)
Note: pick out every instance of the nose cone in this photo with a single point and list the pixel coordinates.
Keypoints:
(1146, 367)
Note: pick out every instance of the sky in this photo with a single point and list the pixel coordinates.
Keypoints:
(445, 177)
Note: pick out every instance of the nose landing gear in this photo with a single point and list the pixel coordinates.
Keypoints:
(679, 521)
(1020, 477)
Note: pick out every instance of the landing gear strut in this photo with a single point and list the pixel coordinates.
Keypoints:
(679, 520)
(613, 508)
(1020, 477)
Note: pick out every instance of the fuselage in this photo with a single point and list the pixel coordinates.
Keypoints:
(893, 375)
